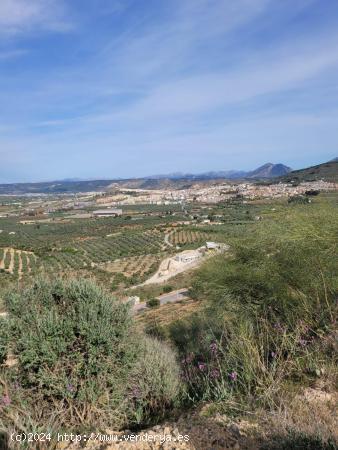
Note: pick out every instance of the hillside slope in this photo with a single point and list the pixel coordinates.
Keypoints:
(327, 171)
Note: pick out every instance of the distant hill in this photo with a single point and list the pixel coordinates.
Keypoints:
(327, 171)
(171, 181)
(269, 170)
(54, 187)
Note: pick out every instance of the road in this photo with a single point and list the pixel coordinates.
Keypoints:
(171, 297)
(166, 239)
(174, 296)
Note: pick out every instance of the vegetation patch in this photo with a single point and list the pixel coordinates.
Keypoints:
(77, 357)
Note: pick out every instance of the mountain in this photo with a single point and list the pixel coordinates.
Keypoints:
(231, 174)
(174, 180)
(269, 170)
(327, 171)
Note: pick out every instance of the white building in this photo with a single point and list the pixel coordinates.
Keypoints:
(107, 212)
(188, 256)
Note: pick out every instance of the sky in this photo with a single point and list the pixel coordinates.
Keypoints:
(129, 88)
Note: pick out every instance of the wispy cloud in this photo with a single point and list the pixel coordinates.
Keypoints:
(167, 84)
(12, 54)
(20, 16)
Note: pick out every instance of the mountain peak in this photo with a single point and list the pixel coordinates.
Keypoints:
(269, 170)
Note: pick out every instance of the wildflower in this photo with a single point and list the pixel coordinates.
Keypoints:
(202, 366)
(273, 354)
(5, 400)
(233, 376)
(215, 373)
(302, 342)
(213, 348)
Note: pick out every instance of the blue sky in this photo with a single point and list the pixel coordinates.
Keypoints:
(122, 88)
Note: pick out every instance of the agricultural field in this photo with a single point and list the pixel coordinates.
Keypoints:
(188, 236)
(135, 265)
(120, 251)
(17, 262)
(130, 247)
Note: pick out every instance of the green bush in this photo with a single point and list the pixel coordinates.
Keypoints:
(77, 356)
(167, 288)
(153, 303)
(266, 309)
(72, 342)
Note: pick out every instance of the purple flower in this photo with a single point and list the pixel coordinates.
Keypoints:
(202, 366)
(278, 327)
(233, 376)
(215, 373)
(213, 348)
(5, 400)
(273, 354)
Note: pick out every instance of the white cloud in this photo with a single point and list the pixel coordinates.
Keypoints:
(171, 85)
(18, 16)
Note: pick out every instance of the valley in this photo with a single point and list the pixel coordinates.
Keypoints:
(193, 267)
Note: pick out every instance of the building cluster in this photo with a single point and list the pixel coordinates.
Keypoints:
(104, 204)
(213, 194)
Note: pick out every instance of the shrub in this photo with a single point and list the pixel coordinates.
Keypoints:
(77, 356)
(155, 383)
(72, 342)
(153, 303)
(267, 308)
(299, 199)
(156, 330)
(167, 288)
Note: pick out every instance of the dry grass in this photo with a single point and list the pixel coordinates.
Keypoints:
(168, 313)
(307, 421)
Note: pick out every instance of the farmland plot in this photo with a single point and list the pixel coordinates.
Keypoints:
(17, 262)
(182, 237)
(108, 249)
(130, 252)
(137, 265)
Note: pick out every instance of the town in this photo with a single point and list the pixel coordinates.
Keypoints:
(108, 203)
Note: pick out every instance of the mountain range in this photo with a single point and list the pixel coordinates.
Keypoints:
(269, 172)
